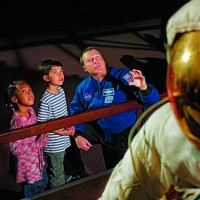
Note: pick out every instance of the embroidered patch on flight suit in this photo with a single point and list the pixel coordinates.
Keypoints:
(87, 97)
(128, 77)
(108, 92)
(108, 99)
(109, 95)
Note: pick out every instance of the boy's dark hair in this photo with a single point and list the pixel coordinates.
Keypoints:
(85, 50)
(9, 93)
(45, 65)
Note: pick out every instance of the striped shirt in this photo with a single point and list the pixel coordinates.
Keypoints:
(53, 106)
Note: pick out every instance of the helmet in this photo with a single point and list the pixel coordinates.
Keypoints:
(183, 75)
(183, 83)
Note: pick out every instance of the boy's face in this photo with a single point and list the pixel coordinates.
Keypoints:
(55, 77)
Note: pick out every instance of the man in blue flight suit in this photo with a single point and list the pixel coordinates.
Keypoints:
(105, 86)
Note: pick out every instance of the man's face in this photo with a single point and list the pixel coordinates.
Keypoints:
(94, 63)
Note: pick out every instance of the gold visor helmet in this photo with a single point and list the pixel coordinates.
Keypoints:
(183, 83)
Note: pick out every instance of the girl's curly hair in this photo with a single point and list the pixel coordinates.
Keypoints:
(9, 93)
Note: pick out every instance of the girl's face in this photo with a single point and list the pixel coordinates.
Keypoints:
(55, 77)
(23, 95)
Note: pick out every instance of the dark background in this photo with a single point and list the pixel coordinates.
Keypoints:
(30, 32)
(25, 16)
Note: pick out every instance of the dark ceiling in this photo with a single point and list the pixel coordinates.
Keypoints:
(23, 16)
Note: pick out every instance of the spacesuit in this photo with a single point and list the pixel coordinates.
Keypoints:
(163, 159)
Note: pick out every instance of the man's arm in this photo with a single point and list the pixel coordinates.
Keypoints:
(147, 93)
(76, 106)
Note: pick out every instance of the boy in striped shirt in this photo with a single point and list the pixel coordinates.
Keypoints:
(53, 105)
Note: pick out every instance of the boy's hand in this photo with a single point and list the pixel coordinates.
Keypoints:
(65, 131)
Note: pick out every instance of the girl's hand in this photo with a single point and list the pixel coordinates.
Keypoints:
(70, 130)
(47, 135)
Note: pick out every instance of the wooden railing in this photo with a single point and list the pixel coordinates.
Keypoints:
(83, 117)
